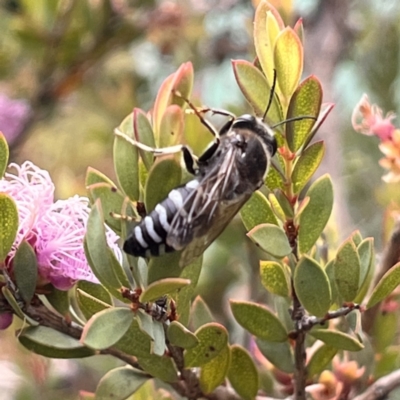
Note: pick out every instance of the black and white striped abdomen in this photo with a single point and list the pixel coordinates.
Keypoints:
(148, 238)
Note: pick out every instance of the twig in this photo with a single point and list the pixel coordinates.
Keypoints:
(381, 388)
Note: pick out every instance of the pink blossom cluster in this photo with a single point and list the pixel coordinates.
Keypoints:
(55, 230)
(368, 119)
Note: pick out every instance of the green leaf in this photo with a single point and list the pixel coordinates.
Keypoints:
(279, 354)
(126, 161)
(285, 205)
(312, 286)
(272, 239)
(164, 176)
(200, 314)
(165, 266)
(25, 270)
(4, 154)
(274, 179)
(120, 383)
(112, 202)
(257, 211)
(213, 338)
(161, 367)
(97, 251)
(367, 267)
(100, 333)
(135, 342)
(315, 215)
(184, 297)
(242, 373)
(154, 330)
(259, 321)
(267, 24)
(162, 287)
(337, 339)
(254, 87)
(51, 343)
(214, 372)
(94, 176)
(386, 285)
(306, 101)
(356, 237)
(384, 330)
(171, 128)
(275, 277)
(288, 60)
(144, 134)
(320, 360)
(330, 272)
(92, 298)
(347, 270)
(180, 336)
(306, 165)
(59, 299)
(8, 224)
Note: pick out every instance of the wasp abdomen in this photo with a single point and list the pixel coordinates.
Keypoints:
(148, 238)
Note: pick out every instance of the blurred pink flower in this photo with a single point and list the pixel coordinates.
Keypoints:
(368, 119)
(13, 115)
(54, 230)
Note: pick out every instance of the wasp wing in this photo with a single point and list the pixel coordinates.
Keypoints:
(209, 208)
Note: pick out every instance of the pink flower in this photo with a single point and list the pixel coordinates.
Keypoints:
(54, 230)
(368, 119)
(13, 115)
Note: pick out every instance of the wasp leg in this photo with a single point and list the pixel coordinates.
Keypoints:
(217, 111)
(198, 112)
(189, 158)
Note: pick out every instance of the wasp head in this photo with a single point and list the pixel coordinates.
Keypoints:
(259, 128)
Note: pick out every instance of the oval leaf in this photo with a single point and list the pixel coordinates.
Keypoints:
(257, 211)
(25, 270)
(306, 165)
(4, 154)
(306, 101)
(100, 333)
(8, 224)
(386, 285)
(312, 287)
(243, 374)
(272, 239)
(254, 86)
(259, 321)
(162, 287)
(180, 336)
(161, 367)
(96, 248)
(164, 176)
(171, 128)
(112, 201)
(367, 267)
(51, 343)
(213, 338)
(214, 372)
(347, 270)
(337, 339)
(320, 360)
(92, 298)
(315, 215)
(279, 354)
(144, 134)
(288, 60)
(275, 278)
(120, 383)
(126, 161)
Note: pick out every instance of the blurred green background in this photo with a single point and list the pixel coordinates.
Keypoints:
(71, 70)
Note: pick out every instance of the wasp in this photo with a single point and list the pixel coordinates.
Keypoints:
(225, 176)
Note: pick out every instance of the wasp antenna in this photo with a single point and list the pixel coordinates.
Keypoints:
(271, 96)
(293, 120)
(165, 150)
